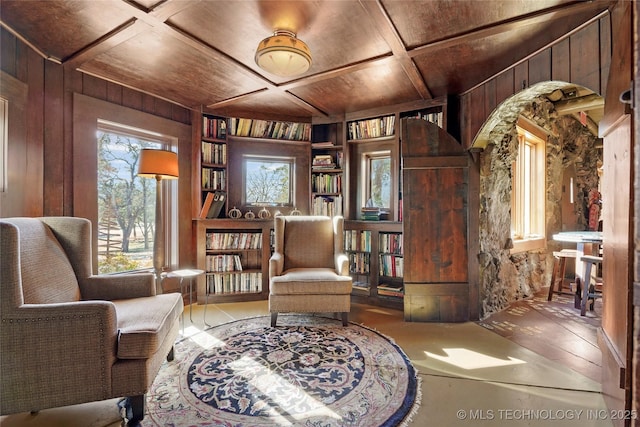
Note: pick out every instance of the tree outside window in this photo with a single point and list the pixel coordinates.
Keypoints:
(268, 181)
(126, 204)
(378, 179)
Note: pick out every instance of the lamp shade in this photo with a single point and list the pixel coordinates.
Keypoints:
(153, 163)
(282, 54)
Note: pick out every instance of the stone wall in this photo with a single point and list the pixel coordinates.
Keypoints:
(506, 277)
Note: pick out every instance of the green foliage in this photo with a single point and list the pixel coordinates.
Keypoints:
(117, 262)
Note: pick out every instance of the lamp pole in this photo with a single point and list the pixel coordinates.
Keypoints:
(158, 237)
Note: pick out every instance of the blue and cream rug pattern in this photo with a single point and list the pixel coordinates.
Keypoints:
(308, 371)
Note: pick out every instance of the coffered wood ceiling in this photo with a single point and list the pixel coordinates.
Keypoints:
(366, 54)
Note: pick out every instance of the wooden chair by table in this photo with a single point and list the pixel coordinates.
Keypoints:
(558, 276)
(589, 292)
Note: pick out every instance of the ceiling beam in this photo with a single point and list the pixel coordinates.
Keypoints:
(391, 35)
(548, 14)
(575, 105)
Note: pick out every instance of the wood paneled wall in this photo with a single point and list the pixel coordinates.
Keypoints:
(582, 58)
(49, 114)
(42, 157)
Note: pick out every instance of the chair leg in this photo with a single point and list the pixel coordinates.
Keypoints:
(274, 319)
(133, 409)
(171, 354)
(345, 318)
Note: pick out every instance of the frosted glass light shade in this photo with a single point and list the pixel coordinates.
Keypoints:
(153, 163)
(282, 54)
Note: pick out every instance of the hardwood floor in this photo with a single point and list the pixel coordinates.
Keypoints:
(553, 329)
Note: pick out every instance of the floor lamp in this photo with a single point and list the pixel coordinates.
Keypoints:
(158, 164)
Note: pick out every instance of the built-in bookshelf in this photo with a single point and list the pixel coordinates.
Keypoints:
(213, 166)
(234, 253)
(357, 245)
(390, 265)
(327, 170)
(372, 128)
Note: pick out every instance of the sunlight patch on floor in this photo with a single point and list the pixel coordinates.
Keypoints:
(264, 380)
(469, 359)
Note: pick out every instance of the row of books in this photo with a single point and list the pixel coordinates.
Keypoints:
(327, 205)
(214, 128)
(271, 129)
(436, 118)
(214, 179)
(328, 161)
(372, 128)
(227, 283)
(213, 153)
(223, 262)
(326, 183)
(357, 240)
(390, 243)
(359, 262)
(391, 265)
(234, 240)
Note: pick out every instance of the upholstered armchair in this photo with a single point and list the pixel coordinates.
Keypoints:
(309, 271)
(68, 336)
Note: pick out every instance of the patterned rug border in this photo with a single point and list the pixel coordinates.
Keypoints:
(414, 381)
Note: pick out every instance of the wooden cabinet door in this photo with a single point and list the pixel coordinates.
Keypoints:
(435, 196)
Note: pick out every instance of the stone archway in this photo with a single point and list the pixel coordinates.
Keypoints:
(507, 277)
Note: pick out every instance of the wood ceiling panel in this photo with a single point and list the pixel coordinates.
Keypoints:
(439, 20)
(265, 105)
(459, 67)
(367, 88)
(61, 28)
(162, 65)
(330, 32)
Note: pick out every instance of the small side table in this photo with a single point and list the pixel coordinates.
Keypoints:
(186, 274)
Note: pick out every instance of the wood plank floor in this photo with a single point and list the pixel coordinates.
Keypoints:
(554, 329)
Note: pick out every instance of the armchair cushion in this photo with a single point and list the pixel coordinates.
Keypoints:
(309, 244)
(47, 275)
(142, 332)
(309, 281)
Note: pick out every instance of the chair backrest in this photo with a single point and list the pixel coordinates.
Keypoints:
(45, 273)
(306, 241)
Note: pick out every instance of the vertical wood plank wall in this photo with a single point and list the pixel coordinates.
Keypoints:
(583, 58)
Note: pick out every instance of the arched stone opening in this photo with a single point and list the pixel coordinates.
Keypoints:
(504, 276)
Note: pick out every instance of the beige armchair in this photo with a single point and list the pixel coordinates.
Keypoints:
(69, 336)
(309, 271)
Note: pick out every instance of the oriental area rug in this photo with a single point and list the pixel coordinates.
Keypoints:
(307, 371)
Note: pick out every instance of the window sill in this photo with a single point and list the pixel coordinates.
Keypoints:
(526, 245)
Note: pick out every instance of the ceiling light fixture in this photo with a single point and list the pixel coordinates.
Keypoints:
(284, 55)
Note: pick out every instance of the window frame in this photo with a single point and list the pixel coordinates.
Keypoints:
(528, 206)
(169, 187)
(366, 158)
(291, 161)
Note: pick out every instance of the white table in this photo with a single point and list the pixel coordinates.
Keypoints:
(186, 274)
(580, 238)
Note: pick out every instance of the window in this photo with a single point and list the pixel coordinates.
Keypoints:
(126, 201)
(268, 180)
(377, 179)
(528, 189)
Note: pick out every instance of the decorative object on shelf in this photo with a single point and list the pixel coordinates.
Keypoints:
(158, 164)
(234, 213)
(283, 55)
(264, 213)
(250, 215)
(295, 212)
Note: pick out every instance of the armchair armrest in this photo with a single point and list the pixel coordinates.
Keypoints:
(115, 287)
(39, 339)
(276, 264)
(342, 264)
